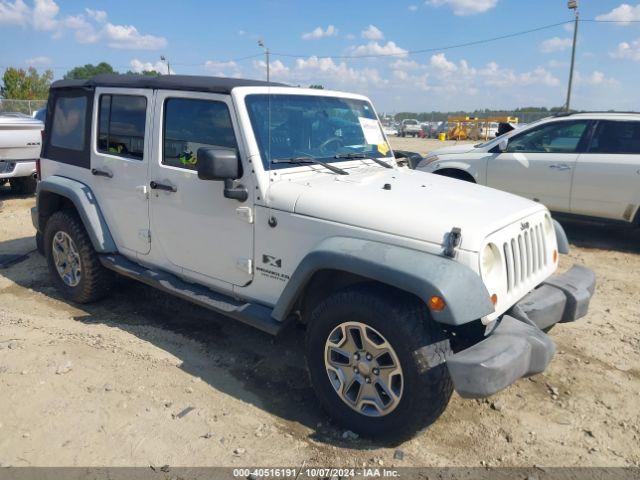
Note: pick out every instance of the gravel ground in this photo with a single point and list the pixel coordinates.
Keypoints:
(146, 379)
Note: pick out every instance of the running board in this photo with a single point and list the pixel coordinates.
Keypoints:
(257, 316)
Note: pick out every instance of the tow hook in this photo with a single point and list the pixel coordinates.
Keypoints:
(452, 241)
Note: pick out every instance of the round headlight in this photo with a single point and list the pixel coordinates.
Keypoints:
(490, 259)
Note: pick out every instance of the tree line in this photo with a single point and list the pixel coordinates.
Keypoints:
(29, 84)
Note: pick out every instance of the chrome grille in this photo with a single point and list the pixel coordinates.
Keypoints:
(525, 255)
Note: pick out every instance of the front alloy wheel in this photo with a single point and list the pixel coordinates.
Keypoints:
(364, 369)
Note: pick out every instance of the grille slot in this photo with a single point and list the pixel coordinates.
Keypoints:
(525, 255)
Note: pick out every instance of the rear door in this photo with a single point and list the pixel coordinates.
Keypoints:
(119, 164)
(606, 182)
(538, 163)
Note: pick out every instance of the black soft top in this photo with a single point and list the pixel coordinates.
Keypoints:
(192, 83)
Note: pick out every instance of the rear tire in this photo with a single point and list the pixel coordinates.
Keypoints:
(24, 185)
(92, 281)
(418, 343)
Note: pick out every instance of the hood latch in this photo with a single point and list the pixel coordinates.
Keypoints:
(453, 240)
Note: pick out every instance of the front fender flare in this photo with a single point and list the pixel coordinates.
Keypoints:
(422, 274)
(85, 203)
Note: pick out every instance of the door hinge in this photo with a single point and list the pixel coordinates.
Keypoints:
(145, 234)
(245, 213)
(245, 264)
(143, 191)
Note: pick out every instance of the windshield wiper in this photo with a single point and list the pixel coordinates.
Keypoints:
(362, 155)
(303, 160)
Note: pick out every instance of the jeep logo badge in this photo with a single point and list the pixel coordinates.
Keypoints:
(272, 261)
(524, 225)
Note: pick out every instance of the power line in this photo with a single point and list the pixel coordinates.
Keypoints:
(433, 49)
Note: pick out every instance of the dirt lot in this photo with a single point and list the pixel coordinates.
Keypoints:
(146, 379)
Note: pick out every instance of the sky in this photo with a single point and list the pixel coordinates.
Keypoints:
(316, 42)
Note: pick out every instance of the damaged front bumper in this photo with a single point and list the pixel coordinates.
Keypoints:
(516, 346)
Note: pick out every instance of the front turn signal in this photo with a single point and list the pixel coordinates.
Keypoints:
(437, 304)
(555, 256)
(494, 299)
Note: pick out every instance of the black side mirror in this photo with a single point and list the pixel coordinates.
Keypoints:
(216, 163)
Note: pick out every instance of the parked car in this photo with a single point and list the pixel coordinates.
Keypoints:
(409, 127)
(20, 140)
(583, 164)
(390, 130)
(271, 204)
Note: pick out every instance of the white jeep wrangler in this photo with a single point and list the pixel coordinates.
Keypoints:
(271, 204)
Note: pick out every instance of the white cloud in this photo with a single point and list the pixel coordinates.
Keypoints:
(350, 36)
(241, 33)
(38, 61)
(465, 7)
(318, 33)
(439, 62)
(223, 69)
(128, 37)
(138, 66)
(595, 78)
(44, 15)
(624, 14)
(413, 8)
(87, 27)
(99, 16)
(16, 13)
(555, 44)
(557, 64)
(372, 33)
(401, 64)
(628, 51)
(374, 48)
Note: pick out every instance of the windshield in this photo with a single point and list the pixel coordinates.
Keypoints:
(314, 126)
(410, 122)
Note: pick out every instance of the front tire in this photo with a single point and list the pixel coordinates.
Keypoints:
(72, 260)
(390, 382)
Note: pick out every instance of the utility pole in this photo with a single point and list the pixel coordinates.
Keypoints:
(266, 53)
(164, 59)
(572, 5)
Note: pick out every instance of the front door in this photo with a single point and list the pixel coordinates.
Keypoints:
(197, 228)
(538, 163)
(119, 164)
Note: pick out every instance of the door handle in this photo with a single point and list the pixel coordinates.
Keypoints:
(560, 166)
(101, 173)
(160, 186)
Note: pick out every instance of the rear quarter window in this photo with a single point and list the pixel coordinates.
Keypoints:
(68, 126)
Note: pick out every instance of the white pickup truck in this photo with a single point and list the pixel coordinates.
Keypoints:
(20, 141)
(410, 127)
(271, 204)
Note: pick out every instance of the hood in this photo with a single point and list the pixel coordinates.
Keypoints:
(460, 148)
(414, 204)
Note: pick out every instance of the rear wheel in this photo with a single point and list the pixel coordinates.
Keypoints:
(376, 361)
(73, 262)
(24, 185)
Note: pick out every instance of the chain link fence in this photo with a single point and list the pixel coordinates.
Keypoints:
(21, 106)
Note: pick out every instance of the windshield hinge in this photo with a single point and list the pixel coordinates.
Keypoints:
(452, 241)
(245, 213)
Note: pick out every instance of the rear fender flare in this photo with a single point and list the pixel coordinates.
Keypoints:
(84, 201)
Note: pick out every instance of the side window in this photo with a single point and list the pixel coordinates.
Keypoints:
(69, 117)
(190, 124)
(616, 137)
(556, 137)
(121, 125)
